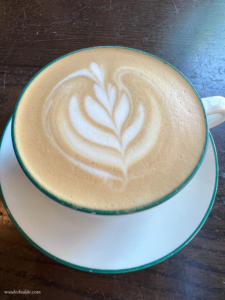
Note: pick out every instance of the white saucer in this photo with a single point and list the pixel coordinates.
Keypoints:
(106, 244)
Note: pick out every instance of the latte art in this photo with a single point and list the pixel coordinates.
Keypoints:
(97, 129)
(109, 129)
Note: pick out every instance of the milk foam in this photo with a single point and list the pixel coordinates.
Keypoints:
(111, 108)
(110, 129)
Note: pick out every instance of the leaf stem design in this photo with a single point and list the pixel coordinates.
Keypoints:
(113, 116)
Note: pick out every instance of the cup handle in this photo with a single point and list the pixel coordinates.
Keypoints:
(215, 110)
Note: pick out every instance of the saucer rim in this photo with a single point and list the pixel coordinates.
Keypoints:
(127, 270)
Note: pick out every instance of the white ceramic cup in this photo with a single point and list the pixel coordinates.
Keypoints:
(215, 111)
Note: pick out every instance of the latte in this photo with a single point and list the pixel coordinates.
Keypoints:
(109, 129)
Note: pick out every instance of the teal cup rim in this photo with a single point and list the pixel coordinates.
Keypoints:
(98, 211)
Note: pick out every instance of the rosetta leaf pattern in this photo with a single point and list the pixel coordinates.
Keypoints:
(112, 96)
(97, 113)
(122, 112)
(88, 131)
(132, 131)
(107, 133)
(110, 108)
(101, 121)
(97, 72)
(102, 96)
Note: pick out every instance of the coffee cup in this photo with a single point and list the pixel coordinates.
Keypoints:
(112, 130)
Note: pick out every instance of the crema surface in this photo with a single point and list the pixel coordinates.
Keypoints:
(110, 129)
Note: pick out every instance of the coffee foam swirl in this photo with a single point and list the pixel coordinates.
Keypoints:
(92, 119)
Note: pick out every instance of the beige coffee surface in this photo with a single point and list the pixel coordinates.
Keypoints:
(110, 129)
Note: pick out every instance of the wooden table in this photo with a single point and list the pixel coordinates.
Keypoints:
(189, 34)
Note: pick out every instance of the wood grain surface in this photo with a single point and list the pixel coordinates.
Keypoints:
(189, 34)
